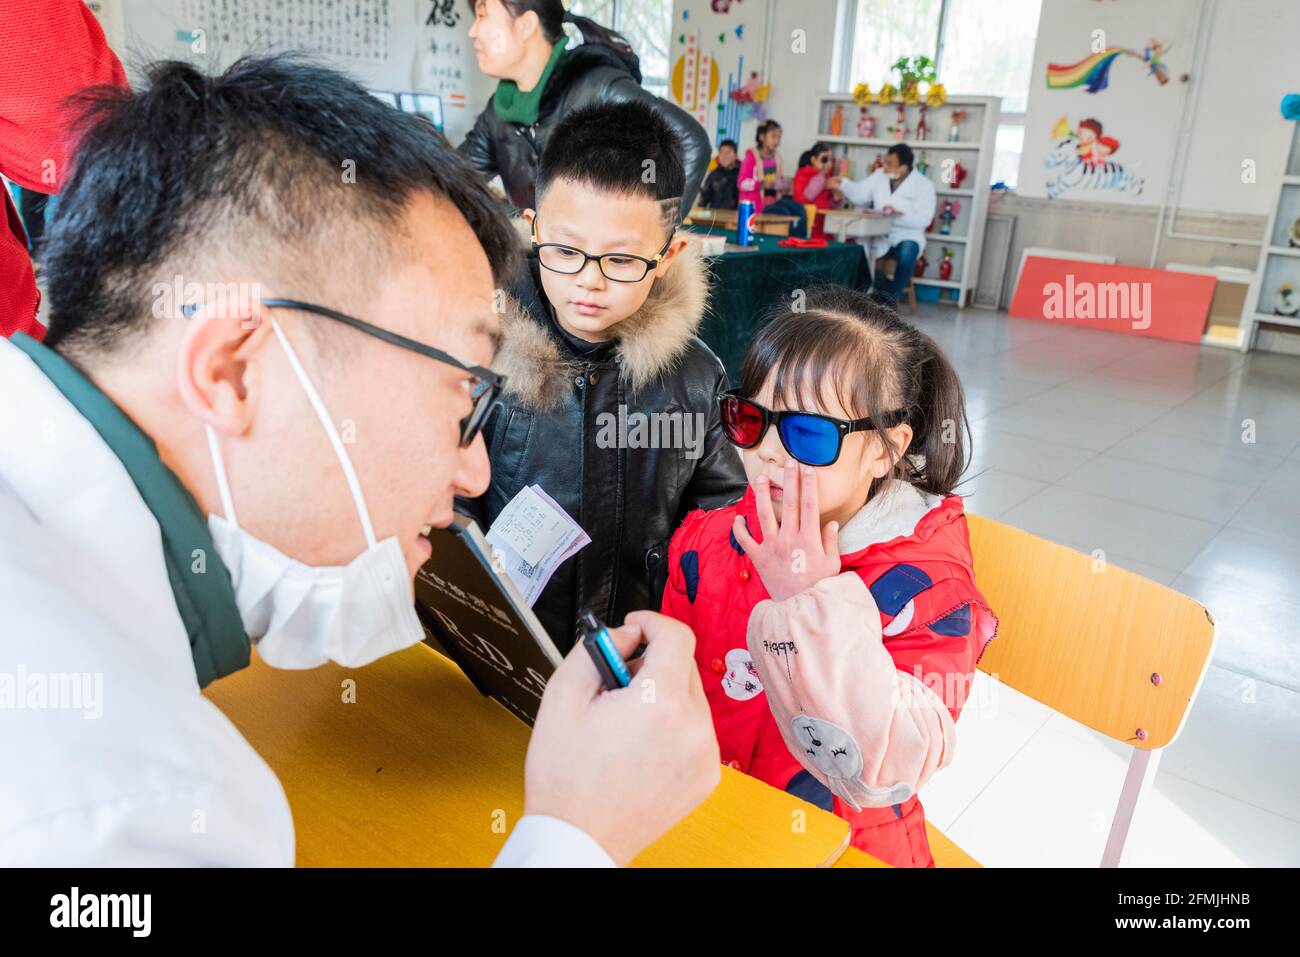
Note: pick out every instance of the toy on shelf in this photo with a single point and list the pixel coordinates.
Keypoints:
(922, 163)
(877, 163)
(921, 264)
(1285, 301)
(866, 124)
(899, 129)
(954, 132)
(837, 120)
(1294, 238)
(922, 131)
(950, 211)
(945, 265)
(954, 174)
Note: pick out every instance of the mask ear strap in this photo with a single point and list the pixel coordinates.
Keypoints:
(312, 396)
(223, 483)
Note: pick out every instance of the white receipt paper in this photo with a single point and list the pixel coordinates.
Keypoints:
(531, 538)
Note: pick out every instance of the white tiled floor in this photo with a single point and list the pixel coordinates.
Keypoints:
(1183, 464)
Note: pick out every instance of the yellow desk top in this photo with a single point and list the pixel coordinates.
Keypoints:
(404, 764)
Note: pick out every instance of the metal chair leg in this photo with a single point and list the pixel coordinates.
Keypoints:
(1141, 772)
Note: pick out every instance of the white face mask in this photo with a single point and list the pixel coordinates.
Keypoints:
(302, 616)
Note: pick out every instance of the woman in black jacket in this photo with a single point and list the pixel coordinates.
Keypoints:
(522, 42)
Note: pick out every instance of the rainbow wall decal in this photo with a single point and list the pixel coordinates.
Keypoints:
(1094, 71)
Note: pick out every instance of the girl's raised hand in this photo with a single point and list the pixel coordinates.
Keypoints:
(797, 553)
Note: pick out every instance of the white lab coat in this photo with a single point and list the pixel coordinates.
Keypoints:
(160, 776)
(915, 199)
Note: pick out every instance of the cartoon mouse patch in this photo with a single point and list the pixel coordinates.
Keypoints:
(832, 751)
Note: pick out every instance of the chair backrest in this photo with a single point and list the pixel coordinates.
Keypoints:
(1102, 645)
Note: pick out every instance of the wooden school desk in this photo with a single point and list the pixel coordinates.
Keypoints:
(416, 772)
(849, 224)
(768, 224)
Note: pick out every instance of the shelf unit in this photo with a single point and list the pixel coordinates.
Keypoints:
(974, 150)
(1279, 261)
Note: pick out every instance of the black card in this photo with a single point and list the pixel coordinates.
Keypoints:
(478, 619)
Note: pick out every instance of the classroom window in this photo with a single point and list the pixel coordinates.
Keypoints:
(646, 24)
(884, 30)
(978, 52)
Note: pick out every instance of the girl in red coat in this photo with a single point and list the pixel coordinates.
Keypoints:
(815, 184)
(835, 609)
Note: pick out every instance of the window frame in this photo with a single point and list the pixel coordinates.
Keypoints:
(846, 25)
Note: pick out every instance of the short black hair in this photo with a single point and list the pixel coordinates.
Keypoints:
(252, 160)
(731, 143)
(904, 154)
(608, 147)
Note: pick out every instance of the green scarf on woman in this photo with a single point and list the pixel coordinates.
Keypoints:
(515, 106)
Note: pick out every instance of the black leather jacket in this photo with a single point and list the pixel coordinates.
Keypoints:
(587, 74)
(548, 431)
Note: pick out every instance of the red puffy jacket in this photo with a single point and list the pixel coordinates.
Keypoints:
(48, 51)
(810, 189)
(934, 623)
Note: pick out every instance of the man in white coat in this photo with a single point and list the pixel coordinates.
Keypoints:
(209, 452)
(909, 196)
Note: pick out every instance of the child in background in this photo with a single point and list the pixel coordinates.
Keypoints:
(610, 400)
(815, 184)
(836, 615)
(720, 190)
(762, 168)
(779, 205)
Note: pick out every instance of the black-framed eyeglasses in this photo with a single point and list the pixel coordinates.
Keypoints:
(809, 437)
(484, 392)
(616, 267)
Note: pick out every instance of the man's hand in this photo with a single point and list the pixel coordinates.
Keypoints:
(625, 765)
(799, 553)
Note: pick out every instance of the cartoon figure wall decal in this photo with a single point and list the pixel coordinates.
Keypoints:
(1081, 160)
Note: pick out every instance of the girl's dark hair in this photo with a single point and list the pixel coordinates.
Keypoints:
(764, 128)
(875, 362)
(552, 15)
(806, 156)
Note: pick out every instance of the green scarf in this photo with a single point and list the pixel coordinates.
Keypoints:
(514, 106)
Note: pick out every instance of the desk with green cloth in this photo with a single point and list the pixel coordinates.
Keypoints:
(745, 287)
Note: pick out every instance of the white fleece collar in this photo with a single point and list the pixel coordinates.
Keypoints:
(896, 510)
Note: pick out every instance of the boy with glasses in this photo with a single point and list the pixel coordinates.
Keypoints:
(610, 399)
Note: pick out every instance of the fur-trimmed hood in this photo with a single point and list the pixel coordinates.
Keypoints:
(649, 342)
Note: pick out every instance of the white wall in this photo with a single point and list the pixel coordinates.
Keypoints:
(789, 43)
(145, 30)
(799, 77)
(1250, 64)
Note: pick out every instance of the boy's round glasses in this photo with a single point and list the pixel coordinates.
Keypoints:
(616, 267)
(809, 437)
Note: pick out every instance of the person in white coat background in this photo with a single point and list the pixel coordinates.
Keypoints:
(208, 452)
(909, 196)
